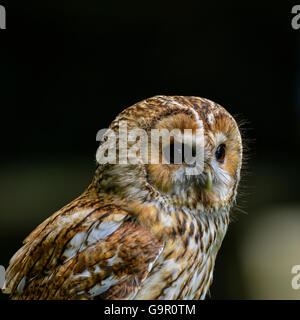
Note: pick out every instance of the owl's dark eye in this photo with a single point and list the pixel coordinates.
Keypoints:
(220, 152)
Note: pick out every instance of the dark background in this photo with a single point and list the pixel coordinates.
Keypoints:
(68, 68)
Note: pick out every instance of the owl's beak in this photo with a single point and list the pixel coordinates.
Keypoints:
(208, 184)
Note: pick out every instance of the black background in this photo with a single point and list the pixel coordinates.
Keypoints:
(68, 68)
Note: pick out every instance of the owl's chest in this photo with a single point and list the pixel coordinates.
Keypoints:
(184, 269)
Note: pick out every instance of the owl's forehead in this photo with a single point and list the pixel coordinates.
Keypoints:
(181, 112)
(193, 113)
(208, 111)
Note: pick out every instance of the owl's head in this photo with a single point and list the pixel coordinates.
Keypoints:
(196, 166)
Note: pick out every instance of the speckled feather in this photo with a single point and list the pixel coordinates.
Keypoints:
(138, 232)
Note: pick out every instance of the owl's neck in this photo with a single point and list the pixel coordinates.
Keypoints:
(170, 222)
(167, 216)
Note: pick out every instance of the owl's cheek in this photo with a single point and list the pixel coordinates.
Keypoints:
(232, 165)
(161, 176)
(223, 186)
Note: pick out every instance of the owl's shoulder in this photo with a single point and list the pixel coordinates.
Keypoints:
(89, 240)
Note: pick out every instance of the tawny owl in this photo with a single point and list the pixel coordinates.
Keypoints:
(143, 230)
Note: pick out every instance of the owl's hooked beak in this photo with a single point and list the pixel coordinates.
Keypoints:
(208, 183)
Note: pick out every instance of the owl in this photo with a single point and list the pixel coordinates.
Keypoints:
(140, 230)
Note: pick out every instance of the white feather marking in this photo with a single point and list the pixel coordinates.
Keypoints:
(80, 292)
(222, 181)
(198, 120)
(97, 289)
(75, 245)
(21, 285)
(79, 242)
(211, 118)
(151, 264)
(102, 231)
(220, 138)
(97, 269)
(84, 274)
(104, 286)
(69, 219)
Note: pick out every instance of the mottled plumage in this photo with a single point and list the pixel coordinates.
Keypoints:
(143, 231)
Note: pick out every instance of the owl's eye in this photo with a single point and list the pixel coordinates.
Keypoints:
(220, 152)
